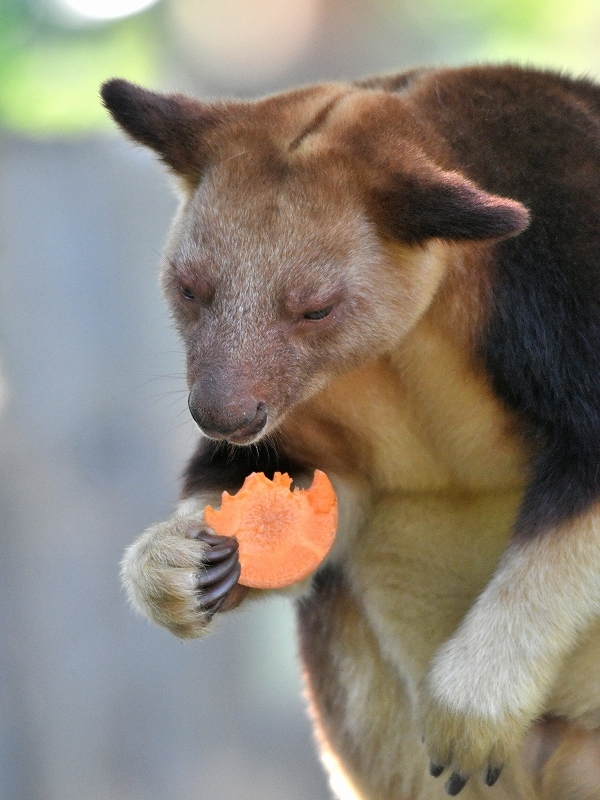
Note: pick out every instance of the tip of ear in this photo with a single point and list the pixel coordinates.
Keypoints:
(117, 92)
(113, 83)
(113, 89)
(513, 218)
(481, 215)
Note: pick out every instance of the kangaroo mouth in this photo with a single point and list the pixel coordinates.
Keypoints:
(246, 433)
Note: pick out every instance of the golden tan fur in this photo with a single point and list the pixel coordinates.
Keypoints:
(429, 618)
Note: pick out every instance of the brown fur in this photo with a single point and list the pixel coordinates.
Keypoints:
(382, 280)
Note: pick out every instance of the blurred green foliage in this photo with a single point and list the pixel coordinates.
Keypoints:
(559, 34)
(50, 72)
(50, 68)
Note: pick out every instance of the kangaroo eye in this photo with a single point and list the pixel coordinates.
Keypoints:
(320, 314)
(187, 293)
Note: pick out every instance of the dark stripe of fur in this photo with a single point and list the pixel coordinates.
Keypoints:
(540, 136)
(222, 466)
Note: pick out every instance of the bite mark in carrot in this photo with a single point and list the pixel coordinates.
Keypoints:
(283, 535)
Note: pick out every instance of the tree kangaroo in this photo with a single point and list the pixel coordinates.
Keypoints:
(397, 281)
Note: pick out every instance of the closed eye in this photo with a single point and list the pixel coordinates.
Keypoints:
(321, 313)
(187, 293)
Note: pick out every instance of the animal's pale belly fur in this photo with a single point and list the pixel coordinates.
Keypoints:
(412, 576)
(445, 480)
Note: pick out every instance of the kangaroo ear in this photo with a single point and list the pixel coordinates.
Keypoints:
(174, 126)
(445, 205)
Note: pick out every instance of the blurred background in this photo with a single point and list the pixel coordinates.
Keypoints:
(96, 704)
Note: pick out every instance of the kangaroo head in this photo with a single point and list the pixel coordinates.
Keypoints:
(307, 240)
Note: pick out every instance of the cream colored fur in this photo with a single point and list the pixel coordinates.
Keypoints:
(160, 569)
(449, 629)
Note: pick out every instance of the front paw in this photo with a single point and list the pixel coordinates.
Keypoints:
(180, 573)
(469, 745)
(479, 703)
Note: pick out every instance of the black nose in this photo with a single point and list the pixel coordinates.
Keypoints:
(236, 422)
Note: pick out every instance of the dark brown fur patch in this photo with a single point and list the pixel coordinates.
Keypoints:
(425, 205)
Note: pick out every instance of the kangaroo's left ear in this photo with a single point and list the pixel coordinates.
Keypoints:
(437, 204)
(173, 125)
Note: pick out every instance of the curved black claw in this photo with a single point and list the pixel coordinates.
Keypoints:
(455, 784)
(217, 571)
(219, 546)
(492, 775)
(220, 590)
(436, 769)
(212, 609)
(221, 570)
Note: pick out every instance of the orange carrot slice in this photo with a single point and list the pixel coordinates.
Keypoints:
(283, 535)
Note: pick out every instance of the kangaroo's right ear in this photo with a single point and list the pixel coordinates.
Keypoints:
(173, 125)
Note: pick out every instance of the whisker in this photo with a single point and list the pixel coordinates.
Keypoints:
(177, 378)
(178, 400)
(174, 428)
(157, 398)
